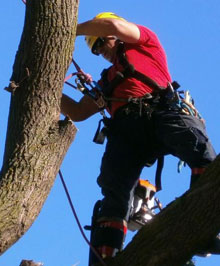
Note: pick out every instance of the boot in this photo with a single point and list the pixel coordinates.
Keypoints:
(107, 237)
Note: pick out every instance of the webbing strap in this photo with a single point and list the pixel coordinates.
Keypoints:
(148, 81)
(129, 71)
(160, 163)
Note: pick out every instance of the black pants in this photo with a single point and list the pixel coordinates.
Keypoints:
(134, 140)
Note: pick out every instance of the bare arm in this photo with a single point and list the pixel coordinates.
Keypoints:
(78, 111)
(122, 29)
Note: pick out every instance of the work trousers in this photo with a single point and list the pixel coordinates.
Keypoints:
(134, 140)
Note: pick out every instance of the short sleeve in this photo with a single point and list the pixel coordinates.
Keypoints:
(145, 35)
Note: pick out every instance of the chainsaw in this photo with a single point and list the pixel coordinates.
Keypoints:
(143, 205)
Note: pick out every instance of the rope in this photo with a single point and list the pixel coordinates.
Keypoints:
(87, 77)
(71, 75)
(81, 76)
(77, 220)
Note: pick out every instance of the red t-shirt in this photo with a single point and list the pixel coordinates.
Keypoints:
(148, 57)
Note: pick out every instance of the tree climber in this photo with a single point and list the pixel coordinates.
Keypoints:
(147, 120)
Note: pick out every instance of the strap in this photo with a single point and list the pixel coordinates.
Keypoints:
(108, 87)
(160, 163)
(130, 71)
(100, 135)
(148, 81)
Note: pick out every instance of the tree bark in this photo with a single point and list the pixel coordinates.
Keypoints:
(36, 141)
(30, 263)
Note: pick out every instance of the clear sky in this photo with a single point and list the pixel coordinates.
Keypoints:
(189, 32)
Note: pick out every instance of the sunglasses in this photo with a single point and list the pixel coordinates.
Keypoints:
(97, 45)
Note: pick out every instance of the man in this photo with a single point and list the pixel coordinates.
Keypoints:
(146, 122)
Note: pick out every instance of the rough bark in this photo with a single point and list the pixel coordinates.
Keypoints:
(30, 263)
(36, 140)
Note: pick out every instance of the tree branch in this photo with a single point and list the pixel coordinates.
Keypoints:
(30, 263)
(184, 228)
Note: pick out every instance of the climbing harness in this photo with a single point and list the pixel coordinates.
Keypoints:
(168, 97)
(165, 95)
(128, 71)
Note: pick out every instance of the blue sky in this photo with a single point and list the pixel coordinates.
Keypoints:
(189, 32)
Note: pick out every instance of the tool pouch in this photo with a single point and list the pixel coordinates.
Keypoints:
(184, 103)
(100, 134)
(188, 106)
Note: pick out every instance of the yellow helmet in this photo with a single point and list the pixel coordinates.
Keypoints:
(91, 40)
(108, 15)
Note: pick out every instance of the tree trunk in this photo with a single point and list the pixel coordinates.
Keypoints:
(36, 140)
